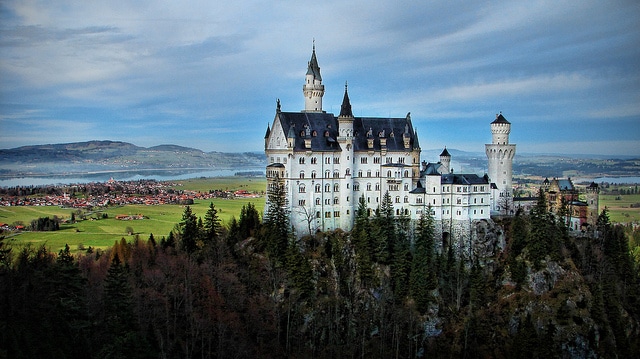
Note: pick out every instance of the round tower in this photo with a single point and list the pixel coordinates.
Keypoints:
(313, 89)
(445, 161)
(500, 155)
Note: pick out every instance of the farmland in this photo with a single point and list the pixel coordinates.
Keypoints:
(100, 229)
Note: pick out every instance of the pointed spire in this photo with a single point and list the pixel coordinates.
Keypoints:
(445, 152)
(345, 109)
(266, 135)
(313, 68)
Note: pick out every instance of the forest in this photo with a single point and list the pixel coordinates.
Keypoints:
(251, 288)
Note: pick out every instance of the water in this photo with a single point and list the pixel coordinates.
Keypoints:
(158, 175)
(617, 180)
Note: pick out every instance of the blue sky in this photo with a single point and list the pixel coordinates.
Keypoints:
(205, 74)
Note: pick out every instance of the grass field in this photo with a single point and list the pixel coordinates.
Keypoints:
(159, 220)
(620, 210)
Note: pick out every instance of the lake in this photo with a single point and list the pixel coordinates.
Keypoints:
(129, 175)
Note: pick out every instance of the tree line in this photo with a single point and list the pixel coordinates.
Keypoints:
(252, 288)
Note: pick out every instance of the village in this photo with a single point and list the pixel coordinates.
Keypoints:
(112, 193)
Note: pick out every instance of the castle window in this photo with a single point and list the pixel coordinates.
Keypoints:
(327, 174)
(301, 174)
(327, 214)
(369, 173)
(336, 213)
(327, 187)
(481, 200)
(459, 201)
(335, 200)
(368, 186)
(377, 173)
(434, 201)
(474, 211)
(314, 133)
(363, 160)
(406, 173)
(314, 160)
(327, 201)
(318, 201)
(376, 160)
(406, 199)
(419, 200)
(313, 174)
(397, 199)
(475, 200)
(318, 187)
(406, 186)
(336, 187)
(318, 214)
(377, 186)
(360, 173)
(301, 160)
(347, 172)
(301, 202)
(327, 160)
(356, 186)
(336, 174)
(347, 211)
(389, 160)
(388, 174)
(336, 160)
(302, 189)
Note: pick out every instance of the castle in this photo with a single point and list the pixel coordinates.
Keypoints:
(328, 163)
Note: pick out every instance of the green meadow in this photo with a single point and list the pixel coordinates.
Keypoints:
(99, 232)
(620, 207)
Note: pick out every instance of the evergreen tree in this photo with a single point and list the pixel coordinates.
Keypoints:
(362, 242)
(423, 279)
(188, 231)
(276, 222)
(211, 227)
(384, 225)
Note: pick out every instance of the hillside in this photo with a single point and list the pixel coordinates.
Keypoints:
(93, 156)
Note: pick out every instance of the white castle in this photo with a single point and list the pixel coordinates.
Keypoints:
(328, 163)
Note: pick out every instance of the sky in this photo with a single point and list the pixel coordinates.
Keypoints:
(207, 74)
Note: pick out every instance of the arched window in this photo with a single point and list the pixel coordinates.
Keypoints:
(360, 173)
(388, 174)
(327, 174)
(302, 189)
(336, 187)
(327, 187)
(347, 172)
(368, 186)
(318, 187)
(301, 160)
(313, 174)
(335, 200)
(406, 173)
(301, 174)
(318, 201)
(336, 174)
(356, 186)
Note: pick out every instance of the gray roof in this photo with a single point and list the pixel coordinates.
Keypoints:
(463, 179)
(500, 119)
(322, 129)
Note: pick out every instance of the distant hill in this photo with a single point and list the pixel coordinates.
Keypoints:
(82, 157)
(96, 156)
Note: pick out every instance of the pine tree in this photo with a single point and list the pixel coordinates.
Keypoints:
(423, 279)
(276, 222)
(362, 243)
(188, 231)
(211, 226)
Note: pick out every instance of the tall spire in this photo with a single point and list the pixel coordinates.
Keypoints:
(313, 88)
(345, 109)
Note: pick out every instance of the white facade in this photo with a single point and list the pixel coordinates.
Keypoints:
(500, 155)
(327, 163)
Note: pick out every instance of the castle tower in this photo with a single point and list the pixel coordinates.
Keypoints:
(500, 155)
(445, 161)
(593, 209)
(313, 89)
(345, 139)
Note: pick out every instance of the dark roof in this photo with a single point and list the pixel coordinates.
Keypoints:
(376, 128)
(345, 109)
(307, 124)
(268, 132)
(445, 153)
(276, 165)
(313, 68)
(301, 125)
(463, 179)
(418, 189)
(431, 169)
(500, 119)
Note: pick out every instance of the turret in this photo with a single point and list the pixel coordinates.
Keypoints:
(445, 161)
(500, 155)
(313, 89)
